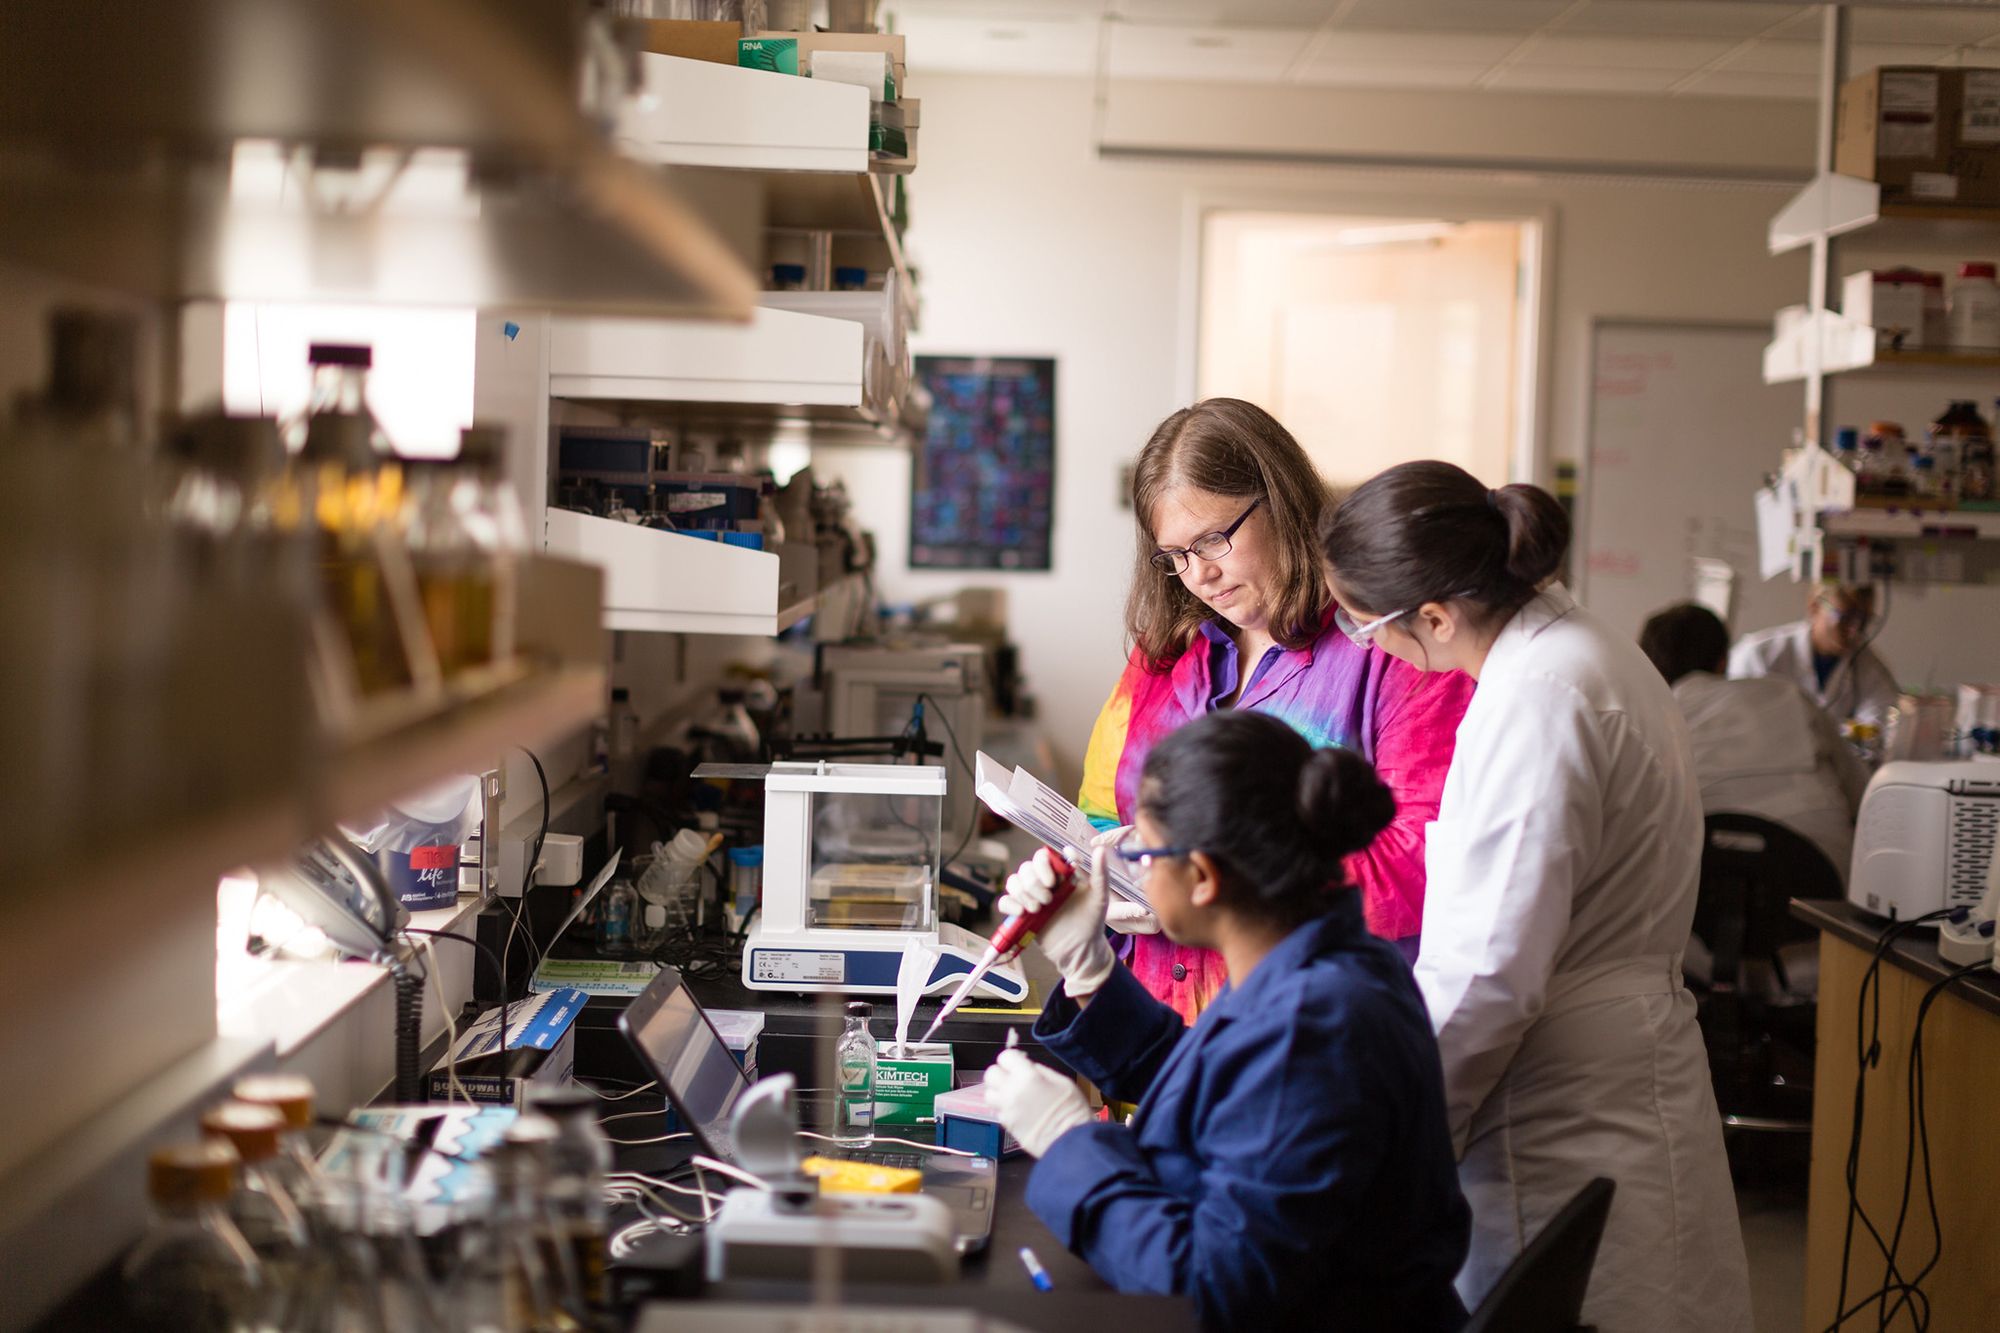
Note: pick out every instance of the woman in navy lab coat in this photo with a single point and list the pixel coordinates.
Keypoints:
(1289, 1164)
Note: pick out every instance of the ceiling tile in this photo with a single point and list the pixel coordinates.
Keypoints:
(1472, 15)
(1905, 25)
(1865, 56)
(943, 44)
(1427, 74)
(1225, 55)
(1680, 18)
(1776, 58)
(1673, 53)
(1560, 78)
(1227, 13)
(1342, 47)
(1743, 83)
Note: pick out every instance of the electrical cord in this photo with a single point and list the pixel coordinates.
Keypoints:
(1853, 661)
(491, 957)
(520, 908)
(456, 1089)
(1868, 1052)
(1911, 1294)
(958, 752)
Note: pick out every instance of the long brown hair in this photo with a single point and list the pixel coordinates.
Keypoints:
(1226, 447)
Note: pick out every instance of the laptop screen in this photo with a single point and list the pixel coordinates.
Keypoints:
(696, 1071)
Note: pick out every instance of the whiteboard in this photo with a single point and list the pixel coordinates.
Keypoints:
(1682, 431)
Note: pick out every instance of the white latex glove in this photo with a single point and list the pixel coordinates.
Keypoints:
(1127, 918)
(1035, 1103)
(1073, 939)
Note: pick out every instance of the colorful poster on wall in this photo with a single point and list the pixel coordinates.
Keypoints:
(985, 477)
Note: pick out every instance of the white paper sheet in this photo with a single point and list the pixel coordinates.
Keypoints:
(1037, 809)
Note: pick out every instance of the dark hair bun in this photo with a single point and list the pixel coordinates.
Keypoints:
(1343, 804)
(1537, 532)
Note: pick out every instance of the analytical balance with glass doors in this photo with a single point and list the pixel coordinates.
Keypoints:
(851, 860)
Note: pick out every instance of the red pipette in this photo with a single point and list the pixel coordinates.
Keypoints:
(1013, 933)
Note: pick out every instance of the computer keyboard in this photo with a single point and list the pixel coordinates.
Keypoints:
(720, 1317)
(908, 1161)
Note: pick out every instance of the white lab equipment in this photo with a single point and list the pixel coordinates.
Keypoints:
(851, 857)
(1925, 837)
(872, 689)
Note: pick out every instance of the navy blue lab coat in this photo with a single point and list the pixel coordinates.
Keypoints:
(1289, 1165)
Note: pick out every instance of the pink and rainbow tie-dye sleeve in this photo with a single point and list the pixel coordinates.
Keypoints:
(1416, 716)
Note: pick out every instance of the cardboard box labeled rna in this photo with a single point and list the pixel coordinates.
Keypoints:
(539, 1050)
(692, 39)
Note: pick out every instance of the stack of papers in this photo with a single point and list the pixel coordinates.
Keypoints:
(1037, 809)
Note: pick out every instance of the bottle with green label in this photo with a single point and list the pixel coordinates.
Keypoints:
(855, 1059)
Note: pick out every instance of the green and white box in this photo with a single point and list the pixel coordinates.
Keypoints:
(907, 1088)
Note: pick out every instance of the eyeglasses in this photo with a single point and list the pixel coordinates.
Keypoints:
(1358, 634)
(1852, 617)
(1210, 546)
(1145, 856)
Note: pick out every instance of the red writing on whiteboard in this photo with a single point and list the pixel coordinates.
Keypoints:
(1618, 564)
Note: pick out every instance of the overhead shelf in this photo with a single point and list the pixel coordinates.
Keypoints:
(352, 780)
(804, 142)
(361, 150)
(1846, 348)
(671, 582)
(1835, 205)
(1943, 524)
(699, 113)
(784, 366)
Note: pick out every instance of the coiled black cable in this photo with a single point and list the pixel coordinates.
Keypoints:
(409, 1018)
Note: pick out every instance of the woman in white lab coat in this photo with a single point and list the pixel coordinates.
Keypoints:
(1562, 873)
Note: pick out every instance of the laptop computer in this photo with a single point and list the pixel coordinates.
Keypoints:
(702, 1082)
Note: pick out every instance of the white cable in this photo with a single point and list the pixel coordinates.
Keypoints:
(621, 1096)
(457, 1089)
(664, 1138)
(884, 1144)
(630, 1115)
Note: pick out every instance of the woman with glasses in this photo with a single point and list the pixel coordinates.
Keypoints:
(1828, 654)
(1228, 608)
(1289, 1165)
(1563, 867)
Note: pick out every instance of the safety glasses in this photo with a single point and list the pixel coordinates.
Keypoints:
(1362, 635)
(1145, 856)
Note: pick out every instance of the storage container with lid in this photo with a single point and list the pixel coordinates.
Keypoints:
(1975, 307)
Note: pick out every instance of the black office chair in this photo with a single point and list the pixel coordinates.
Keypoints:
(1542, 1290)
(1756, 1021)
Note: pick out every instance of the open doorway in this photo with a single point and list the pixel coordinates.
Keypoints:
(1376, 340)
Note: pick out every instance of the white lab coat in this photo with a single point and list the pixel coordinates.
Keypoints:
(1863, 689)
(1762, 747)
(1562, 872)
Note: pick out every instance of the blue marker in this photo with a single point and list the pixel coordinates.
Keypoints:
(1036, 1273)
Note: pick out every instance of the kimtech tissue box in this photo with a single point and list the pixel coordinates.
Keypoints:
(540, 1050)
(906, 1089)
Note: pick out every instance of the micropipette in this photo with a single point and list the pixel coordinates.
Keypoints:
(1013, 933)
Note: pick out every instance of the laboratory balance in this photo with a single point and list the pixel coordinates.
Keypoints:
(852, 854)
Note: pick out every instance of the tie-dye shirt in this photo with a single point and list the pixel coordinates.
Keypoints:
(1402, 720)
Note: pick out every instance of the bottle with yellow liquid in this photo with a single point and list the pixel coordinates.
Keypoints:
(465, 532)
(350, 487)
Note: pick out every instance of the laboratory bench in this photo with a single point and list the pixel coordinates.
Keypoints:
(1961, 1087)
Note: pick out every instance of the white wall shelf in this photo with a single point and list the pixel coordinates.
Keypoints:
(1835, 205)
(699, 113)
(668, 582)
(1849, 349)
(819, 370)
(1973, 524)
(805, 142)
(778, 357)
